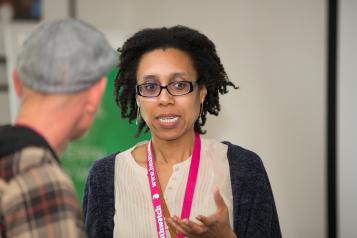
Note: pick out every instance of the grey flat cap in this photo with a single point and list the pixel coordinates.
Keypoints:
(64, 56)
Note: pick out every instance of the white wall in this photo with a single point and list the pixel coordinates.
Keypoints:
(346, 119)
(275, 51)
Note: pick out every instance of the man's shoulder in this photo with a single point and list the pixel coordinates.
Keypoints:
(15, 138)
(33, 168)
(25, 159)
(35, 187)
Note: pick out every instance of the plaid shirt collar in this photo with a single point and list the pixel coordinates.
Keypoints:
(14, 138)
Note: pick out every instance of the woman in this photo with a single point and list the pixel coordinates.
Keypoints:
(169, 79)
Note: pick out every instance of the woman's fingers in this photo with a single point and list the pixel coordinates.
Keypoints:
(211, 224)
(189, 227)
(208, 220)
(221, 205)
(177, 226)
(214, 218)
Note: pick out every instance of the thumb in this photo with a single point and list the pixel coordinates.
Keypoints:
(218, 199)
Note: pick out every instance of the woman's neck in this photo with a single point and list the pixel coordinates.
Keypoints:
(173, 151)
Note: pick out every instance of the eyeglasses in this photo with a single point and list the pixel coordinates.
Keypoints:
(177, 88)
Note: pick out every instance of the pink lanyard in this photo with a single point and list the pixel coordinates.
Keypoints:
(190, 187)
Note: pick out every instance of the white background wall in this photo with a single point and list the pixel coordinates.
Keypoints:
(347, 118)
(275, 51)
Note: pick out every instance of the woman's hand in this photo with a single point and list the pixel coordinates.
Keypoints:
(213, 226)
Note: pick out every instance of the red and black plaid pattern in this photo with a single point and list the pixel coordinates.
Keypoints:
(37, 198)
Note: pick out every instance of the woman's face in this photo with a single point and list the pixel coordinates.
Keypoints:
(169, 117)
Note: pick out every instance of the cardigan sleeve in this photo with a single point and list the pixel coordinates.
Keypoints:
(254, 210)
(98, 201)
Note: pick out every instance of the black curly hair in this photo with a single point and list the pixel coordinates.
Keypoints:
(210, 71)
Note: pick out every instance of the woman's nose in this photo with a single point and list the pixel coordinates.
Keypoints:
(165, 97)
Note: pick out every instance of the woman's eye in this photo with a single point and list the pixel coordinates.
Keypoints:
(180, 85)
(150, 87)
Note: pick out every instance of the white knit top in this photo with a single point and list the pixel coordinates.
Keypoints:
(134, 213)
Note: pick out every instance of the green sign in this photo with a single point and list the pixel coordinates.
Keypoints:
(108, 134)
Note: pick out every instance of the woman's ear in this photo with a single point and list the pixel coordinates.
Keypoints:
(17, 83)
(137, 100)
(203, 93)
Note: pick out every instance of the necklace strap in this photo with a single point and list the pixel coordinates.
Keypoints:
(192, 178)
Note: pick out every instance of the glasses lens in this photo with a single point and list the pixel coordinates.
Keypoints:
(174, 88)
(149, 89)
(179, 88)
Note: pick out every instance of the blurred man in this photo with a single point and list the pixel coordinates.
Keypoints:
(60, 78)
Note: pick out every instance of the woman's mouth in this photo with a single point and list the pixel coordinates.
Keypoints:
(168, 121)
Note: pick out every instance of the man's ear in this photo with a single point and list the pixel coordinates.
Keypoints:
(95, 94)
(17, 83)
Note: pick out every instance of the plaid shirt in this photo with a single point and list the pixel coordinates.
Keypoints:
(37, 198)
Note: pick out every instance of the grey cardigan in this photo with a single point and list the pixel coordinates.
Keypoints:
(254, 211)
